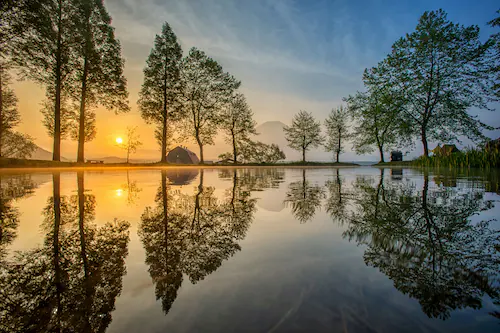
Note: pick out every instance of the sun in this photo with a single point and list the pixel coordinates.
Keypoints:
(119, 140)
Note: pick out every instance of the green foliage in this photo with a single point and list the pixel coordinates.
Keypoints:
(304, 133)
(337, 131)
(17, 145)
(471, 158)
(495, 54)
(438, 72)
(237, 123)
(424, 240)
(161, 90)
(376, 114)
(206, 90)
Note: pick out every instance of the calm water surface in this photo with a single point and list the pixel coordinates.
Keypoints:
(249, 250)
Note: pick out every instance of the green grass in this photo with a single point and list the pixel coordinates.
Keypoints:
(472, 158)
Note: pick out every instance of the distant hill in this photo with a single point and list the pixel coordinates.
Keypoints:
(116, 159)
(272, 132)
(45, 155)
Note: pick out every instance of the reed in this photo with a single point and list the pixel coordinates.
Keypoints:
(470, 158)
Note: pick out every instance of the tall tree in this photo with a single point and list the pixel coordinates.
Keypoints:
(9, 115)
(440, 70)
(98, 78)
(337, 130)
(159, 95)
(378, 122)
(206, 89)
(237, 123)
(495, 38)
(45, 54)
(304, 133)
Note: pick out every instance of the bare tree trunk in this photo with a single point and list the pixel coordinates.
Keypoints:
(424, 141)
(338, 150)
(235, 153)
(164, 136)
(200, 144)
(1, 109)
(56, 155)
(381, 151)
(81, 131)
(303, 155)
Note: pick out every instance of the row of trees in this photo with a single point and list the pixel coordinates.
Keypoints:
(69, 47)
(192, 97)
(422, 90)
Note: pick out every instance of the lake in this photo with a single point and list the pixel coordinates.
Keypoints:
(250, 250)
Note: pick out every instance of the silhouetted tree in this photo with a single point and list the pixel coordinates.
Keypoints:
(337, 131)
(132, 190)
(256, 152)
(192, 234)
(11, 187)
(70, 283)
(161, 89)
(206, 89)
(304, 133)
(438, 71)
(132, 142)
(305, 198)
(45, 54)
(237, 124)
(99, 78)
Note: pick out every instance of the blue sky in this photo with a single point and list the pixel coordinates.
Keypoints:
(289, 55)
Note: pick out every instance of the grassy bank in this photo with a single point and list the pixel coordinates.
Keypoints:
(481, 159)
(12, 163)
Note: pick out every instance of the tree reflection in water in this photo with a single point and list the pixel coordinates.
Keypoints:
(304, 198)
(69, 283)
(12, 187)
(424, 241)
(192, 234)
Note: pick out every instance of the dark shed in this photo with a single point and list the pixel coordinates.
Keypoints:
(182, 155)
(396, 156)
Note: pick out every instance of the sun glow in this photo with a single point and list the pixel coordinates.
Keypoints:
(119, 140)
(119, 192)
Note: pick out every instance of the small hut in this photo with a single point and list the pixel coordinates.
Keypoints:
(182, 155)
(396, 156)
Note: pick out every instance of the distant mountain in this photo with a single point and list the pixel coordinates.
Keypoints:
(272, 132)
(45, 155)
(116, 159)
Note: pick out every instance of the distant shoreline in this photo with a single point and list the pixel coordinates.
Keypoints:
(13, 164)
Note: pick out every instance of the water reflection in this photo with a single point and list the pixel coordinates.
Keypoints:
(336, 204)
(427, 234)
(304, 198)
(69, 283)
(192, 234)
(12, 187)
(422, 238)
